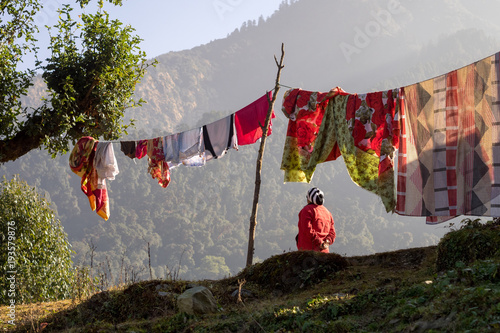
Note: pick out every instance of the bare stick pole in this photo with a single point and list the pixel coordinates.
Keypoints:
(265, 129)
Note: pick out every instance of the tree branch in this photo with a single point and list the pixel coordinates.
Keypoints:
(22, 142)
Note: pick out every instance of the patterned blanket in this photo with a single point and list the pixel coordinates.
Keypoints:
(449, 156)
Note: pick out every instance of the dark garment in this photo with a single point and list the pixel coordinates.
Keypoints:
(218, 137)
(128, 148)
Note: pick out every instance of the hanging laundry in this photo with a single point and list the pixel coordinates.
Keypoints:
(95, 162)
(157, 166)
(107, 168)
(361, 128)
(374, 128)
(105, 161)
(171, 150)
(191, 147)
(248, 121)
(450, 148)
(81, 162)
(128, 148)
(305, 110)
(185, 148)
(219, 136)
(141, 149)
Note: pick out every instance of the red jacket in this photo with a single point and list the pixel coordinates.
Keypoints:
(315, 226)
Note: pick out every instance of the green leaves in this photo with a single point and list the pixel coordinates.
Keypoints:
(472, 241)
(34, 248)
(16, 41)
(91, 75)
(91, 85)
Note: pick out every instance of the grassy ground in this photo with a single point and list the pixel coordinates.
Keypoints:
(400, 291)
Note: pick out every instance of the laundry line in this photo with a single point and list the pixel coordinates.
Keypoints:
(90, 158)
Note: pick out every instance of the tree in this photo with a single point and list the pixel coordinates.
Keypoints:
(35, 255)
(213, 267)
(90, 78)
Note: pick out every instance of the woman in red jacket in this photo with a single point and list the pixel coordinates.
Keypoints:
(316, 226)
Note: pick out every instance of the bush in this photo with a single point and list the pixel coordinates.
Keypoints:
(473, 241)
(35, 255)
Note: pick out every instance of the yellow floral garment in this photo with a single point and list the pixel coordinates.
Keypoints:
(362, 128)
(364, 167)
(305, 109)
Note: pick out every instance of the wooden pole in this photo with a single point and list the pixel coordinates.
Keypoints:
(265, 129)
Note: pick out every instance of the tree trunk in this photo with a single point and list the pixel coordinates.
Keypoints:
(265, 129)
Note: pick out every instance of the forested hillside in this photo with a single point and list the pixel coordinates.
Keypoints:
(197, 227)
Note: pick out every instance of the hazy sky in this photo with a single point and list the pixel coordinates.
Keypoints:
(173, 25)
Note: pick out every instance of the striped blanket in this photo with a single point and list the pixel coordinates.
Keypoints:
(449, 154)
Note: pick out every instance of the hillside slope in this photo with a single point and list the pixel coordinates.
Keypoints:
(138, 306)
(452, 287)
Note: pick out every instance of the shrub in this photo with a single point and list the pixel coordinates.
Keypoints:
(35, 255)
(473, 241)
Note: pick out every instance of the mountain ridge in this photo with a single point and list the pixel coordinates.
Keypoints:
(229, 73)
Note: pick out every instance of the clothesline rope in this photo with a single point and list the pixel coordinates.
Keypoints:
(285, 86)
(119, 141)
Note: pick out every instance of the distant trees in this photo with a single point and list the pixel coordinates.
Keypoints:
(90, 77)
(35, 255)
(213, 267)
(286, 3)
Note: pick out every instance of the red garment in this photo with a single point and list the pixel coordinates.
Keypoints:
(316, 225)
(372, 121)
(248, 121)
(141, 149)
(157, 166)
(305, 111)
